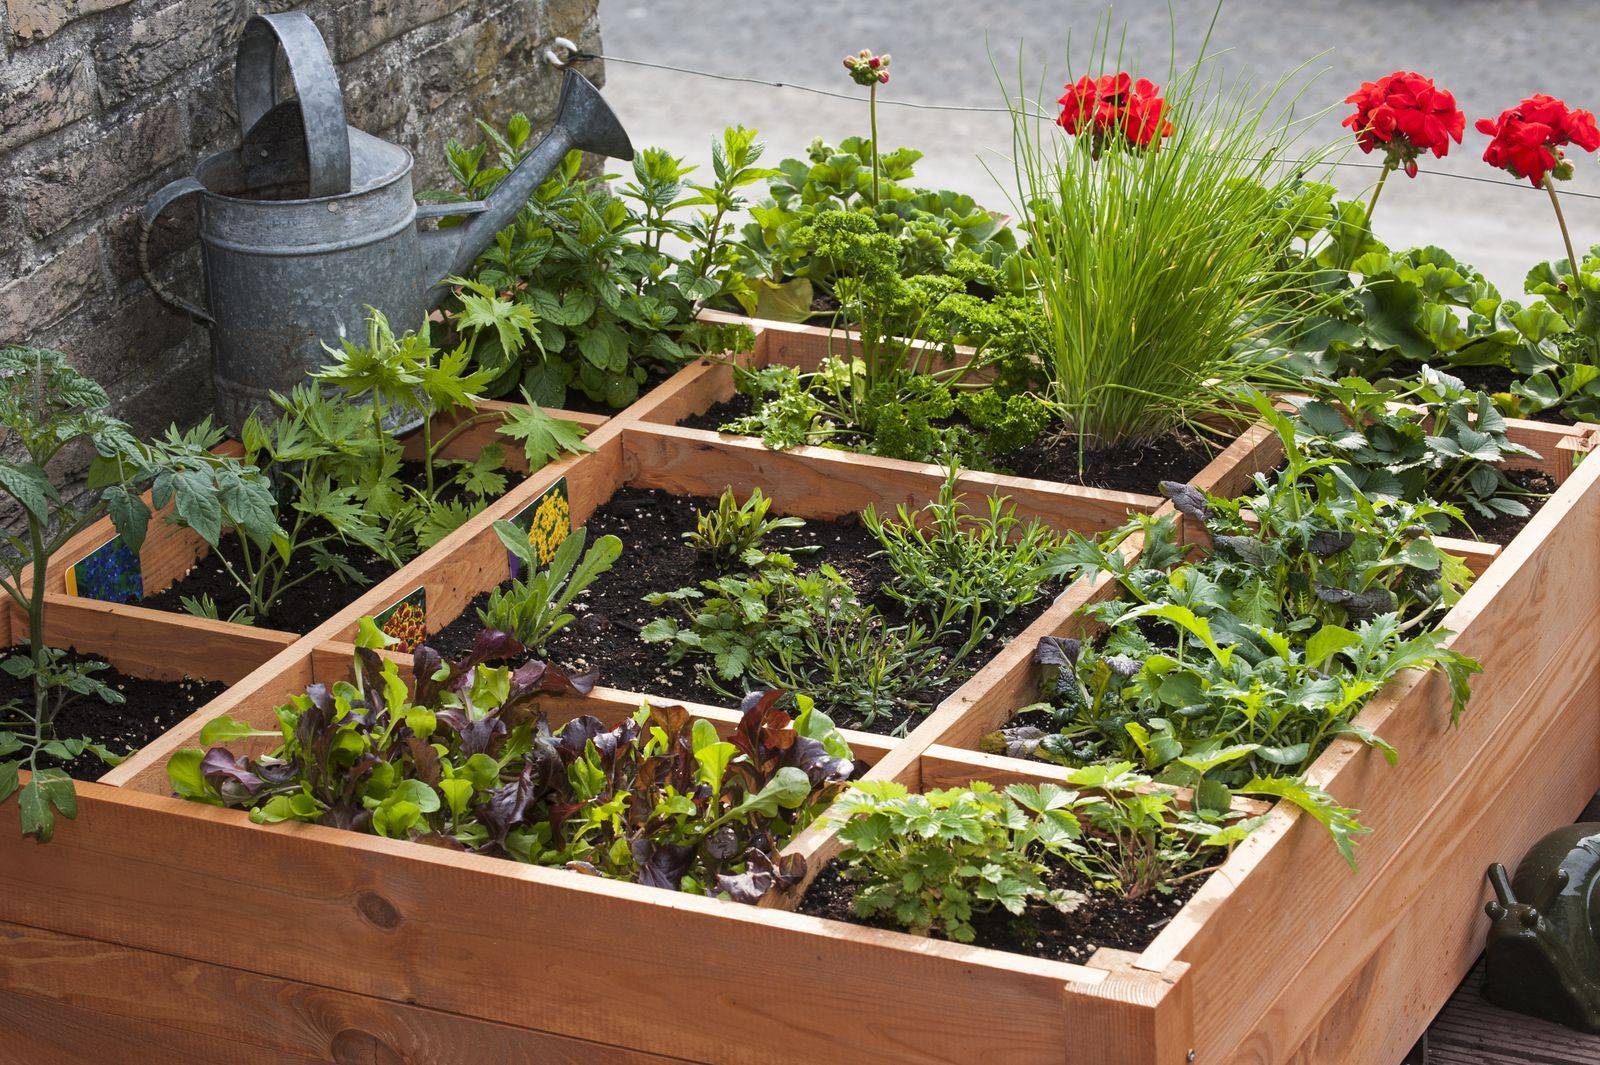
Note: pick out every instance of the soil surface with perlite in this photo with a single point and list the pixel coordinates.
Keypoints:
(1135, 466)
(151, 707)
(1102, 919)
(309, 603)
(655, 558)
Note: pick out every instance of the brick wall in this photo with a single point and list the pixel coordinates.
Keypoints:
(104, 101)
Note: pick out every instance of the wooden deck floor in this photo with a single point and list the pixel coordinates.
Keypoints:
(1470, 1031)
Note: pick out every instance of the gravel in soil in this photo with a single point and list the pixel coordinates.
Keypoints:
(1138, 466)
(1041, 931)
(309, 603)
(152, 707)
(651, 523)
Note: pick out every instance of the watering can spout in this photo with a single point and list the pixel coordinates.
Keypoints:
(583, 121)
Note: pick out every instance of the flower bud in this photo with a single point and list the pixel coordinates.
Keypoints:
(884, 77)
(874, 62)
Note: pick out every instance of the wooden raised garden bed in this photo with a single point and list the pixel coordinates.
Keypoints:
(153, 927)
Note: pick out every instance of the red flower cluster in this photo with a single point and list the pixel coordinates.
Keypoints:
(1405, 114)
(1527, 139)
(1115, 105)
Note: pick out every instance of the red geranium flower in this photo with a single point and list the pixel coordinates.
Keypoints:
(1526, 140)
(1405, 114)
(1114, 105)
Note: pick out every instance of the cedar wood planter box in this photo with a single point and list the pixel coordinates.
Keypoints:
(153, 927)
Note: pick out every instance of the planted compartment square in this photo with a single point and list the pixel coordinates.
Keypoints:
(330, 563)
(711, 586)
(715, 398)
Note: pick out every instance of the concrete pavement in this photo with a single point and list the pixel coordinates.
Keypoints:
(1490, 53)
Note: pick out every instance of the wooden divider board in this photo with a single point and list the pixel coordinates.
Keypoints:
(656, 971)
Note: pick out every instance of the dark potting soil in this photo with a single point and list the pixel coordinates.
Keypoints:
(1138, 466)
(655, 558)
(1041, 931)
(152, 707)
(1500, 379)
(1504, 528)
(309, 603)
(1135, 466)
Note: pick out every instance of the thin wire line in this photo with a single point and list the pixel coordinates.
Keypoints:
(915, 106)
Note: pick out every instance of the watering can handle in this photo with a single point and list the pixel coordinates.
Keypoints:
(255, 88)
(170, 194)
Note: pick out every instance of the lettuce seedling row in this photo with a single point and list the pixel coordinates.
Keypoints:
(152, 926)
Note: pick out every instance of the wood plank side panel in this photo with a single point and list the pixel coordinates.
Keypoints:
(1517, 620)
(1400, 951)
(157, 874)
(65, 1000)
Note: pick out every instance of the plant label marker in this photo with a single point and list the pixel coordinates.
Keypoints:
(406, 620)
(547, 521)
(110, 572)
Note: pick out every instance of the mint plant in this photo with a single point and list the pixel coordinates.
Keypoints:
(585, 293)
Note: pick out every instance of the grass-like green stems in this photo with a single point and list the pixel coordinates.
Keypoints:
(1155, 265)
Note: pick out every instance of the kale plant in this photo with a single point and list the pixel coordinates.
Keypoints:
(464, 758)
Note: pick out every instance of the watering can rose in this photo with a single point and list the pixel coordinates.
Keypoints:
(1114, 105)
(1405, 114)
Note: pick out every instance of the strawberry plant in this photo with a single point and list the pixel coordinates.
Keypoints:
(931, 861)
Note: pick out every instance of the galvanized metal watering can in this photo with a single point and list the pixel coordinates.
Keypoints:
(309, 221)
